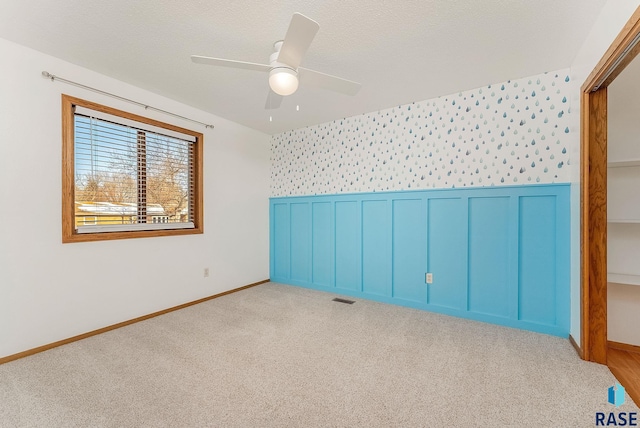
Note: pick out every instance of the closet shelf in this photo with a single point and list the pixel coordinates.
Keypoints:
(620, 278)
(624, 163)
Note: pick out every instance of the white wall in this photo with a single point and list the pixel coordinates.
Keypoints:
(623, 202)
(50, 291)
(613, 17)
(623, 140)
(623, 314)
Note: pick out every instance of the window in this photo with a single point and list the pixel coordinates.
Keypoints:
(127, 176)
(90, 220)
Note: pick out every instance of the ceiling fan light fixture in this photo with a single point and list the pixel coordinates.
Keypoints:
(284, 65)
(283, 81)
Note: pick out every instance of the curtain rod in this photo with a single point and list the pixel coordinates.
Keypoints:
(146, 107)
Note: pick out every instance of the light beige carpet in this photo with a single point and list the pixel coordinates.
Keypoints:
(276, 355)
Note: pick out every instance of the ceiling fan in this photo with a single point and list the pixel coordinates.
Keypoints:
(284, 64)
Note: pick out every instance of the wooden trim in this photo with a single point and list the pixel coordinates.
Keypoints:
(624, 347)
(575, 346)
(585, 298)
(593, 109)
(121, 324)
(109, 236)
(68, 174)
(596, 182)
(131, 116)
(630, 30)
(198, 187)
(69, 233)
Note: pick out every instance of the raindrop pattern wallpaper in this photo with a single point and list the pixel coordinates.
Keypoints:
(511, 133)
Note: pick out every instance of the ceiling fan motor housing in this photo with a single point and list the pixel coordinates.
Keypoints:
(283, 79)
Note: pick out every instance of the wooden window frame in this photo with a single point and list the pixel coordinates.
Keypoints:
(69, 232)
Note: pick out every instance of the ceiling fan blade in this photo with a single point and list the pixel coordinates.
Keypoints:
(273, 101)
(327, 81)
(299, 36)
(229, 63)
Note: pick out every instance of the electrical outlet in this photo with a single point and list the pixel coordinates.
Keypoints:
(206, 272)
(429, 278)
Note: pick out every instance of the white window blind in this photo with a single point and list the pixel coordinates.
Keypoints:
(131, 176)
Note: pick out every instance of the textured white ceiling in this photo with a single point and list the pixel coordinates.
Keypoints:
(401, 51)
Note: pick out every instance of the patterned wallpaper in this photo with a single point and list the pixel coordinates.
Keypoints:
(516, 132)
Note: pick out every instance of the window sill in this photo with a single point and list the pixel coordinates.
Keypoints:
(109, 236)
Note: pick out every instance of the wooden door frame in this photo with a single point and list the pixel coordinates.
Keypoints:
(593, 200)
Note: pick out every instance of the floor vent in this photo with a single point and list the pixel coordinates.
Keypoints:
(348, 302)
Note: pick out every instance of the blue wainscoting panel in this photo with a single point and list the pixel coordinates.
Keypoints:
(322, 244)
(281, 238)
(497, 254)
(347, 238)
(409, 250)
(300, 242)
(489, 256)
(446, 251)
(537, 294)
(376, 248)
